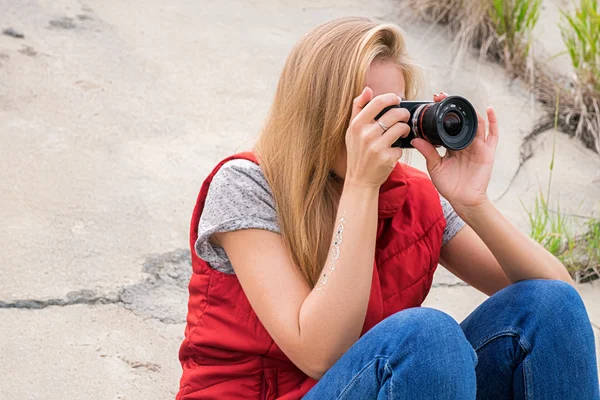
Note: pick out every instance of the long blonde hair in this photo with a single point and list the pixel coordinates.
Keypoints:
(306, 125)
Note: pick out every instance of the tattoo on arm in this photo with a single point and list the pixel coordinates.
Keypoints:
(335, 252)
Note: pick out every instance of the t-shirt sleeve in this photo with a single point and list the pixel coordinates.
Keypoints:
(238, 198)
(454, 223)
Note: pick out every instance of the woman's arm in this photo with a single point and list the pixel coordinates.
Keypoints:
(467, 257)
(313, 328)
(519, 255)
(462, 177)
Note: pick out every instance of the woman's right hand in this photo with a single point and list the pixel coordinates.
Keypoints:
(370, 157)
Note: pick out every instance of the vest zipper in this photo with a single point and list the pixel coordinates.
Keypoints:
(263, 381)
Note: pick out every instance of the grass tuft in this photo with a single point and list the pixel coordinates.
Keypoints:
(500, 29)
(513, 22)
(580, 254)
(580, 30)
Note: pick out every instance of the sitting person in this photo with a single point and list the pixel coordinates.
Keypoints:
(313, 253)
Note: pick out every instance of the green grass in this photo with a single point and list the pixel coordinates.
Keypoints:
(555, 230)
(501, 29)
(593, 241)
(514, 21)
(580, 30)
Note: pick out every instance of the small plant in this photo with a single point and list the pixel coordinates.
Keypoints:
(501, 29)
(580, 30)
(593, 243)
(581, 34)
(590, 267)
(513, 22)
(553, 230)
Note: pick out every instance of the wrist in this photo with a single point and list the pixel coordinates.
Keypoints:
(473, 211)
(352, 184)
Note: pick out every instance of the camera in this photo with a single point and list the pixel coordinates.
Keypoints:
(451, 123)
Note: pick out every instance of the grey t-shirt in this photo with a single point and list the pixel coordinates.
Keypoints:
(239, 197)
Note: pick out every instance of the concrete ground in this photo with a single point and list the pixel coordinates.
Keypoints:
(112, 114)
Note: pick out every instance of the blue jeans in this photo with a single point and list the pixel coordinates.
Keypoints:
(530, 340)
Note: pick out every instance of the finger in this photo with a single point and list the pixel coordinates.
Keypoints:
(398, 130)
(375, 106)
(439, 97)
(480, 134)
(431, 155)
(361, 101)
(493, 130)
(394, 115)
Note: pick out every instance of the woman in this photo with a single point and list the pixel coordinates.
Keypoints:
(313, 253)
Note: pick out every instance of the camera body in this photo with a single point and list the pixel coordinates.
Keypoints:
(451, 123)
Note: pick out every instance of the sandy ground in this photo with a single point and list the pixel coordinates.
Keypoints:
(112, 114)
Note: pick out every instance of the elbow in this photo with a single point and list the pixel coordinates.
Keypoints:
(316, 372)
(316, 367)
(315, 363)
(563, 275)
(567, 278)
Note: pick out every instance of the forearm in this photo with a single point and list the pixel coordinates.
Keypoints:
(519, 256)
(331, 318)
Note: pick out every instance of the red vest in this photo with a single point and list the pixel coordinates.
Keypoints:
(228, 354)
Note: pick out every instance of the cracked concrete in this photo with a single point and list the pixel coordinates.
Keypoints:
(163, 292)
(159, 296)
(108, 127)
(83, 296)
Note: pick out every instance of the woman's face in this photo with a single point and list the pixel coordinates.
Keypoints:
(382, 77)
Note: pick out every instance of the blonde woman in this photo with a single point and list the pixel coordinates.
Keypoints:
(313, 253)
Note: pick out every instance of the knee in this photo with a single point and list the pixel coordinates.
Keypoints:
(432, 331)
(553, 300)
(428, 324)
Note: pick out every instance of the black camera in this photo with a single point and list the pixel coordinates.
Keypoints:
(451, 123)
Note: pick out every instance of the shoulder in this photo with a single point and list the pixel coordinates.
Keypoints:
(238, 198)
(240, 178)
(241, 169)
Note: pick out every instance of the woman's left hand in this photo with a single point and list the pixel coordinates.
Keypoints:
(462, 177)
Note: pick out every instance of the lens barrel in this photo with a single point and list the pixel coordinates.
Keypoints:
(451, 123)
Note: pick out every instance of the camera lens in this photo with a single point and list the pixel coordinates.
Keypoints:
(452, 123)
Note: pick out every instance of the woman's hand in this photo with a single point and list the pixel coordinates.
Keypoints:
(370, 157)
(462, 177)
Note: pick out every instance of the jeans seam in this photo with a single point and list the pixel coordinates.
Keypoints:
(527, 374)
(355, 377)
(389, 370)
(525, 345)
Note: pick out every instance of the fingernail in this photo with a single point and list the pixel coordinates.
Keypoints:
(399, 99)
(411, 142)
(435, 95)
(445, 93)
